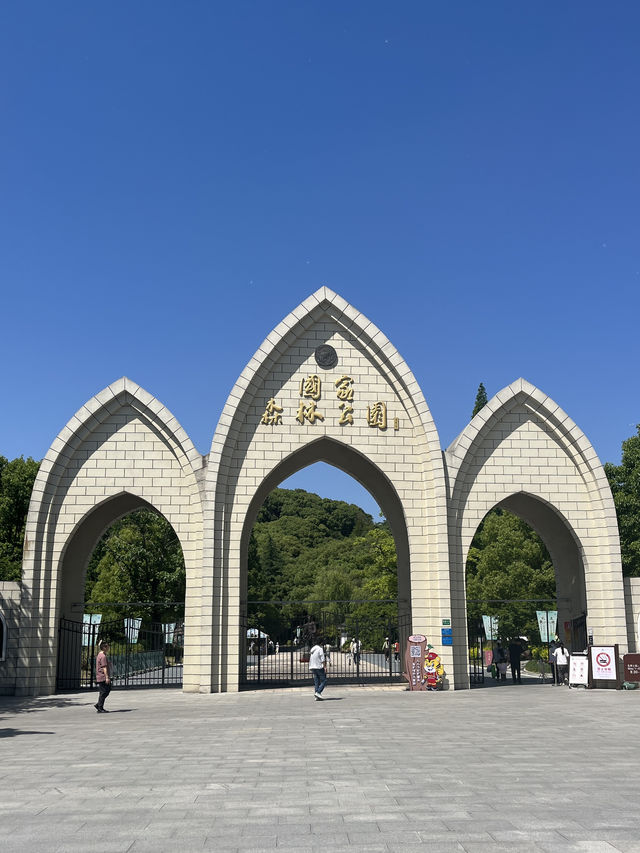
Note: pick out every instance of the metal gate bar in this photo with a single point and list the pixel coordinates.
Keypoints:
(148, 658)
(358, 649)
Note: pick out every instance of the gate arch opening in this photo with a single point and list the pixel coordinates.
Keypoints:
(354, 464)
(516, 593)
(126, 602)
(81, 545)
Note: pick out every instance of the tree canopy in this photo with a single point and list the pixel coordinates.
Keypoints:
(508, 560)
(139, 559)
(305, 548)
(16, 483)
(624, 480)
(481, 400)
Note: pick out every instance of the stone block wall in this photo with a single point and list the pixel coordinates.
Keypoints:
(10, 612)
(632, 602)
(524, 453)
(404, 459)
(121, 452)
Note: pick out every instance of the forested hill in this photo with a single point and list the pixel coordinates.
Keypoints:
(304, 547)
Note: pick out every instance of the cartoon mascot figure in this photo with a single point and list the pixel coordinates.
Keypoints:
(433, 670)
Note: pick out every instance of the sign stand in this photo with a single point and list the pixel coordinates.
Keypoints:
(604, 667)
(579, 670)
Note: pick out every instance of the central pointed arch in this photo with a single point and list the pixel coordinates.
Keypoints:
(247, 447)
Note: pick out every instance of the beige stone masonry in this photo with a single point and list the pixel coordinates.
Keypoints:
(123, 450)
(522, 452)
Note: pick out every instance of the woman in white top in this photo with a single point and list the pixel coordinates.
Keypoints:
(561, 656)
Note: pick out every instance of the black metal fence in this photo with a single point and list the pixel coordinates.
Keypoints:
(359, 648)
(477, 660)
(141, 654)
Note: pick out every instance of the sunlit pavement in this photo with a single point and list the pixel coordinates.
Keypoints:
(518, 767)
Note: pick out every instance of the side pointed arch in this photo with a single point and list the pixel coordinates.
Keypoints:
(523, 452)
(121, 442)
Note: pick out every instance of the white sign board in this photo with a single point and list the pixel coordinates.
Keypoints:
(579, 669)
(603, 663)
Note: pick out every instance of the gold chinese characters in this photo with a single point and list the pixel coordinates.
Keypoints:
(310, 393)
(272, 413)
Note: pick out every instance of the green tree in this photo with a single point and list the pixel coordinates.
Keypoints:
(624, 480)
(139, 559)
(508, 560)
(305, 548)
(16, 484)
(378, 591)
(481, 400)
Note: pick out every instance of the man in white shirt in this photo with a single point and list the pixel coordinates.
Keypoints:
(318, 667)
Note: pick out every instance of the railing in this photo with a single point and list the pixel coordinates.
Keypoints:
(146, 657)
(358, 649)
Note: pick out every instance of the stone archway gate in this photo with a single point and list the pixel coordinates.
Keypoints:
(325, 385)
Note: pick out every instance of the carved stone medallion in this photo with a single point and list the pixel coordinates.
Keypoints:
(326, 357)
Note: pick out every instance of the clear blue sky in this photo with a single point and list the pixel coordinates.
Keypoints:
(176, 177)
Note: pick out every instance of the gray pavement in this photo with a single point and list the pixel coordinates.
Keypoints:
(518, 768)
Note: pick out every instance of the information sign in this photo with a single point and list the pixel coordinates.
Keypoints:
(414, 661)
(579, 669)
(490, 627)
(547, 622)
(604, 663)
(631, 664)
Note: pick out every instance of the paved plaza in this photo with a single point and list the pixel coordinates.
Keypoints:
(517, 768)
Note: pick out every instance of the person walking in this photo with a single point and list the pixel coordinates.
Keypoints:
(386, 648)
(103, 677)
(561, 656)
(318, 668)
(500, 660)
(553, 645)
(515, 653)
(355, 651)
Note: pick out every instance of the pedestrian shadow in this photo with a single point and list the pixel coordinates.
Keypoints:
(13, 705)
(332, 699)
(16, 732)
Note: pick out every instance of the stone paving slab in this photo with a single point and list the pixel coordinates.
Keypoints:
(521, 768)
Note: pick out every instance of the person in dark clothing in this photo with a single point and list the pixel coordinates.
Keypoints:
(500, 660)
(515, 653)
(553, 645)
(103, 677)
